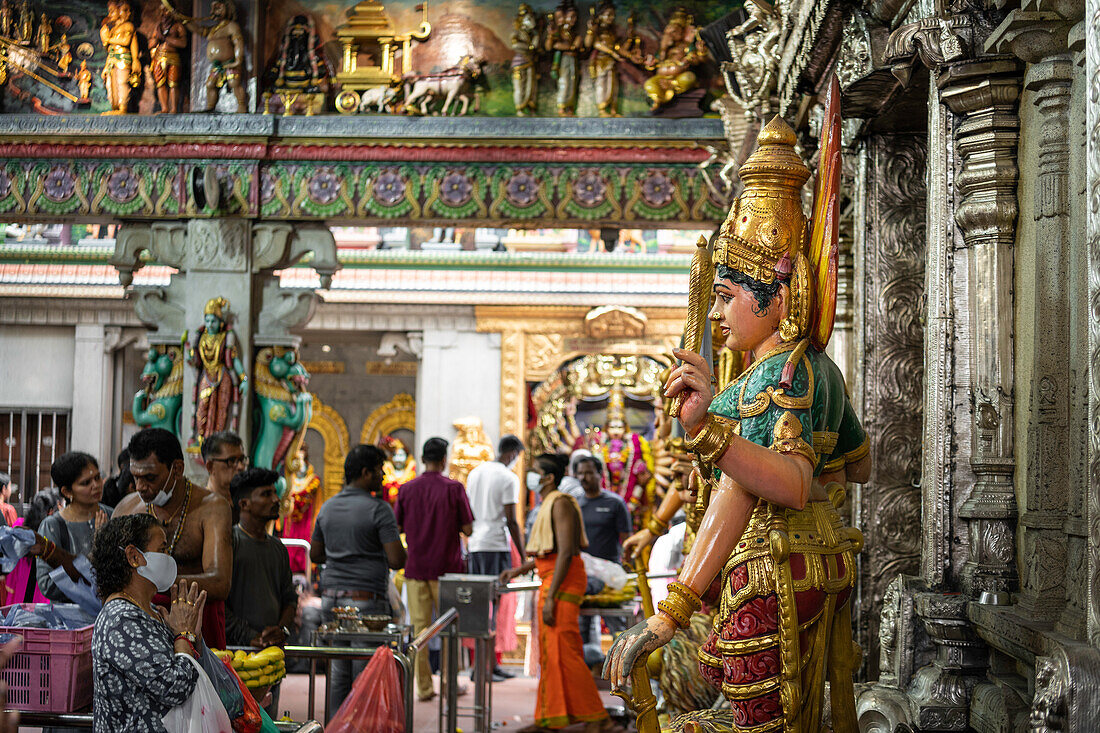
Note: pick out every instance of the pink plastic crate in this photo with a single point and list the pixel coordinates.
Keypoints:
(52, 672)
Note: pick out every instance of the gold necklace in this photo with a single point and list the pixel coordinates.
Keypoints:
(183, 518)
(126, 596)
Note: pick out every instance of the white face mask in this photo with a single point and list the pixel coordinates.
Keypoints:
(533, 481)
(159, 569)
(164, 496)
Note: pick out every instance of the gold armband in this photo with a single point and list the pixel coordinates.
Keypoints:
(681, 603)
(655, 525)
(713, 439)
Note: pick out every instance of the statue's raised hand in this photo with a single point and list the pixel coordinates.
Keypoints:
(694, 378)
(636, 644)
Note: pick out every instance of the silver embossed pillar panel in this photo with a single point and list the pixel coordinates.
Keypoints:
(1052, 476)
(1067, 691)
(889, 252)
(904, 647)
(983, 95)
(1092, 197)
(940, 691)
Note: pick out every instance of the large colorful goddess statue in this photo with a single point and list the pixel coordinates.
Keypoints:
(778, 445)
(626, 457)
(399, 467)
(221, 377)
(301, 506)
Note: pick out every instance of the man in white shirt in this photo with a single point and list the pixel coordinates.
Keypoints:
(493, 490)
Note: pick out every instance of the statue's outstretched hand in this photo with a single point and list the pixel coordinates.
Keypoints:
(637, 542)
(636, 644)
(694, 378)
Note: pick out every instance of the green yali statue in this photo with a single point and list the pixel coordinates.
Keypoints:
(157, 404)
(283, 408)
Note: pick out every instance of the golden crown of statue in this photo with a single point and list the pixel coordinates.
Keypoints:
(616, 404)
(768, 237)
(216, 307)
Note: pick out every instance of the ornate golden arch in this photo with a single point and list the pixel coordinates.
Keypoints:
(400, 412)
(334, 431)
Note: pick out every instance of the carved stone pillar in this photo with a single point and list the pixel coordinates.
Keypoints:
(984, 94)
(232, 258)
(1053, 484)
(889, 252)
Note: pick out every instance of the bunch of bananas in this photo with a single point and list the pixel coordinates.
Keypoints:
(258, 669)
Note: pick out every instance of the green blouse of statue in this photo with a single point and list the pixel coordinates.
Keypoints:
(812, 417)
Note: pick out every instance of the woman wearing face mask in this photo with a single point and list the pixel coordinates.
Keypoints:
(72, 529)
(137, 669)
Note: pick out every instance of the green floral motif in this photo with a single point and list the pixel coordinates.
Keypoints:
(389, 192)
(656, 194)
(521, 193)
(455, 193)
(589, 194)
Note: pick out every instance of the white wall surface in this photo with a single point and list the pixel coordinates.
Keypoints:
(36, 366)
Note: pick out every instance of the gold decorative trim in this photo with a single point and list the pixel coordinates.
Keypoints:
(788, 438)
(400, 412)
(334, 431)
(825, 442)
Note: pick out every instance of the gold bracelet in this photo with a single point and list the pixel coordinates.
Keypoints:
(681, 591)
(676, 614)
(713, 439)
(682, 602)
(656, 525)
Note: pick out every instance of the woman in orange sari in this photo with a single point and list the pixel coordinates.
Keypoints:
(567, 692)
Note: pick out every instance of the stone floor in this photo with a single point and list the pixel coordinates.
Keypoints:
(513, 704)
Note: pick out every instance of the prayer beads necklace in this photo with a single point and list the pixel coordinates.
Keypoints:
(183, 518)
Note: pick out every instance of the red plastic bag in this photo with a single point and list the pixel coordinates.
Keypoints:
(250, 721)
(376, 703)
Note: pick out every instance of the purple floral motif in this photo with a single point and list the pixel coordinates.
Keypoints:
(590, 189)
(522, 188)
(267, 187)
(59, 184)
(5, 184)
(455, 189)
(324, 186)
(122, 185)
(389, 187)
(657, 189)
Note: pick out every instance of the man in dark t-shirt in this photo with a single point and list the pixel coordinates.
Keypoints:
(431, 510)
(607, 523)
(355, 537)
(262, 601)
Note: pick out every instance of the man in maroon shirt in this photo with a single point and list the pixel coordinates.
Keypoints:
(431, 510)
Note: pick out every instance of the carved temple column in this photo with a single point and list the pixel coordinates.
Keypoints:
(1052, 520)
(234, 259)
(889, 254)
(1092, 236)
(984, 94)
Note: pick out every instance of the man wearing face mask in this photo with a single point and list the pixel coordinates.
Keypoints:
(196, 522)
(493, 490)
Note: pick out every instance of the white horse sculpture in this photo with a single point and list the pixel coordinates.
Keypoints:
(458, 82)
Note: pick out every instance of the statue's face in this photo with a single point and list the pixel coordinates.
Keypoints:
(570, 17)
(744, 324)
(607, 16)
(303, 461)
(213, 323)
(616, 429)
(218, 10)
(400, 458)
(527, 21)
(124, 12)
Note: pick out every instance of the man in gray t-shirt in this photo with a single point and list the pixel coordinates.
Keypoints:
(355, 538)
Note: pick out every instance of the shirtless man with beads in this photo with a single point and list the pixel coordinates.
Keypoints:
(197, 522)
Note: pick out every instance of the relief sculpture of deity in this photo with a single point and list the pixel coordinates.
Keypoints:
(216, 358)
(525, 59)
(122, 70)
(771, 557)
(563, 39)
